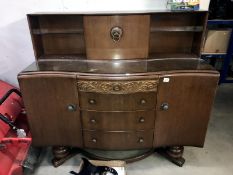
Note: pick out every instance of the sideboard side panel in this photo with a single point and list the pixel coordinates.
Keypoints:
(46, 98)
(190, 98)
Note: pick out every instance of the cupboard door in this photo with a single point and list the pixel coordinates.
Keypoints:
(183, 108)
(117, 36)
(52, 107)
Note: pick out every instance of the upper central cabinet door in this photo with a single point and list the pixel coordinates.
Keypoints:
(117, 36)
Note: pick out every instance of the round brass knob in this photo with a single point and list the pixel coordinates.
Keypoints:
(116, 88)
(164, 106)
(141, 120)
(93, 121)
(141, 140)
(116, 33)
(143, 101)
(92, 101)
(94, 140)
(71, 107)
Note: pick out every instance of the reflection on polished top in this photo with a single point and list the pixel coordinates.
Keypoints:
(140, 66)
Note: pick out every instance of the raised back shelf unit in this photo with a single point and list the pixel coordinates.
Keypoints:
(170, 35)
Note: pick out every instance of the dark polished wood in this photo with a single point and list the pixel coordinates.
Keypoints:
(118, 82)
(108, 119)
(48, 100)
(190, 98)
(57, 34)
(173, 154)
(118, 140)
(128, 159)
(119, 69)
(63, 44)
(60, 158)
(179, 33)
(132, 44)
(118, 121)
(61, 154)
(117, 102)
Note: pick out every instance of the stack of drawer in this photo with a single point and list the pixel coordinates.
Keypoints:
(117, 114)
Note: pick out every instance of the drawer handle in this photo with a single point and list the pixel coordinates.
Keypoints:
(141, 120)
(94, 140)
(143, 101)
(116, 88)
(92, 101)
(93, 121)
(164, 106)
(71, 107)
(116, 33)
(141, 140)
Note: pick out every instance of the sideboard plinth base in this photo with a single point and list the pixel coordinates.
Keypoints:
(173, 154)
(61, 154)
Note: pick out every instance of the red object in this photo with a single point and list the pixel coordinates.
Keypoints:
(13, 150)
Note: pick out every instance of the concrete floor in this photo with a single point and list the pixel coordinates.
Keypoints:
(216, 158)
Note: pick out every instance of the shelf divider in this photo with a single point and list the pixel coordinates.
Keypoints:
(177, 29)
(57, 31)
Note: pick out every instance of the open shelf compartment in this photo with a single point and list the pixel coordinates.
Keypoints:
(172, 35)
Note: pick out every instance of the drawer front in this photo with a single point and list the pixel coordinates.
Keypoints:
(118, 121)
(117, 102)
(117, 36)
(118, 140)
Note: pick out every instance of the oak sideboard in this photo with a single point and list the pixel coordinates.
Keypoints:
(118, 82)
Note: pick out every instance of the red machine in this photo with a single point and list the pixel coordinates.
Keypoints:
(15, 138)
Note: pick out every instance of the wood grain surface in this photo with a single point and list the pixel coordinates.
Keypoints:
(46, 98)
(190, 98)
(117, 102)
(118, 140)
(133, 44)
(118, 121)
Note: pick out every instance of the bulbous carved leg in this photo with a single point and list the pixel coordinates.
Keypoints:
(173, 154)
(61, 154)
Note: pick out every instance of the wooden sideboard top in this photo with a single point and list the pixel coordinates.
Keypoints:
(118, 67)
(112, 12)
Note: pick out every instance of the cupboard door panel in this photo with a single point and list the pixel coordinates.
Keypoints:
(52, 109)
(117, 36)
(189, 97)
